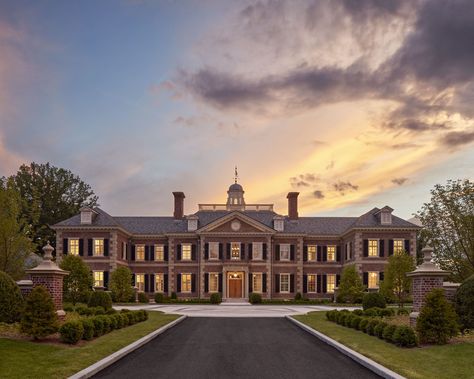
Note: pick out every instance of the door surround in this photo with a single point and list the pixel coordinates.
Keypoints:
(244, 271)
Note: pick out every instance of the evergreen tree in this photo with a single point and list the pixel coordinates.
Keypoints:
(39, 318)
(350, 288)
(11, 300)
(78, 284)
(121, 284)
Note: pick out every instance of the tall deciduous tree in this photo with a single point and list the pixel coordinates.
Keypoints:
(78, 284)
(396, 284)
(49, 194)
(448, 221)
(120, 284)
(350, 288)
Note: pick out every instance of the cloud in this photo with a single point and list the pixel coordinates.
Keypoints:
(399, 181)
(318, 194)
(453, 140)
(344, 187)
(303, 180)
(405, 145)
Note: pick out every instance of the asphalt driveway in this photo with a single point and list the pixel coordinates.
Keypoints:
(236, 348)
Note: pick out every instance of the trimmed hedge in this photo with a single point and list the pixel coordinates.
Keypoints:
(388, 331)
(373, 299)
(403, 311)
(255, 298)
(71, 332)
(143, 298)
(404, 336)
(100, 299)
(378, 330)
(216, 298)
(88, 326)
(371, 326)
(159, 297)
(464, 303)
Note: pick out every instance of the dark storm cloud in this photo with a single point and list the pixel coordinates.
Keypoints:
(343, 187)
(455, 139)
(318, 194)
(399, 181)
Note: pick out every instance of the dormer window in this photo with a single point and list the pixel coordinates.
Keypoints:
(385, 218)
(278, 223)
(87, 215)
(192, 223)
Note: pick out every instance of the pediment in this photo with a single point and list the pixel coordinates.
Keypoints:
(236, 223)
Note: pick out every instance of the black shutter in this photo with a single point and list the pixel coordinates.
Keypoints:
(65, 246)
(206, 282)
(106, 247)
(242, 251)
(221, 250)
(133, 253)
(325, 253)
(390, 247)
(407, 246)
(147, 283)
(206, 250)
(264, 251)
(220, 283)
(305, 283)
(366, 248)
(338, 280)
(165, 279)
(89, 247)
(381, 276)
(152, 283)
(292, 252)
(292, 283)
(319, 253)
(277, 252)
(147, 252)
(381, 248)
(250, 254)
(365, 278)
(228, 251)
(133, 280)
(193, 252)
(178, 252)
(178, 283)
(152, 252)
(81, 247)
(277, 283)
(305, 253)
(193, 282)
(264, 282)
(106, 279)
(325, 283)
(318, 283)
(250, 283)
(338, 253)
(166, 253)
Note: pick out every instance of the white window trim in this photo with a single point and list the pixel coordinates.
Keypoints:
(261, 282)
(403, 244)
(289, 251)
(136, 281)
(136, 253)
(327, 282)
(315, 283)
(94, 253)
(335, 253)
(315, 253)
(190, 251)
(289, 285)
(261, 251)
(157, 275)
(190, 282)
(368, 247)
(377, 280)
(209, 282)
(240, 251)
(155, 248)
(216, 258)
(93, 275)
(70, 246)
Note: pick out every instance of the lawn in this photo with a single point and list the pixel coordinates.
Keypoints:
(447, 361)
(25, 359)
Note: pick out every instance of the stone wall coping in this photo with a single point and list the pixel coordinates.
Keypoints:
(451, 284)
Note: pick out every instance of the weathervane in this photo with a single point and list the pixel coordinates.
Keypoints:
(236, 175)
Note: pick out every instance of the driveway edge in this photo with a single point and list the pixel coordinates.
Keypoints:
(359, 358)
(114, 357)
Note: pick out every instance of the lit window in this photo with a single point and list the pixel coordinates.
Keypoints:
(398, 246)
(98, 278)
(98, 246)
(185, 282)
(311, 283)
(74, 246)
(140, 252)
(331, 283)
(312, 252)
(140, 282)
(373, 280)
(284, 282)
(257, 249)
(373, 248)
(159, 283)
(186, 252)
(159, 253)
(213, 282)
(285, 252)
(124, 250)
(257, 282)
(213, 250)
(331, 253)
(235, 250)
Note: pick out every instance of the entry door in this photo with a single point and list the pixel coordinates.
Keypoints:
(235, 287)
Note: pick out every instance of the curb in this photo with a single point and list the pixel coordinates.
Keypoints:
(114, 357)
(359, 358)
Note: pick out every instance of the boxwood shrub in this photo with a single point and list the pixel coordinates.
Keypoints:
(371, 326)
(373, 299)
(71, 332)
(388, 331)
(358, 312)
(355, 322)
(100, 299)
(363, 325)
(88, 326)
(216, 298)
(255, 298)
(159, 298)
(403, 311)
(98, 326)
(404, 336)
(378, 331)
(143, 298)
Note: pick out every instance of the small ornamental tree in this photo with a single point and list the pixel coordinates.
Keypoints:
(78, 284)
(396, 283)
(464, 303)
(39, 318)
(437, 321)
(350, 288)
(121, 285)
(11, 301)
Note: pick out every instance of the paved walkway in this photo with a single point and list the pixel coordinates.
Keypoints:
(232, 310)
(236, 348)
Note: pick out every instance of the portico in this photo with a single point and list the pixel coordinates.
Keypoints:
(235, 285)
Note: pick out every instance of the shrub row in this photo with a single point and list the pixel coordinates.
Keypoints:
(400, 335)
(381, 312)
(87, 328)
(84, 310)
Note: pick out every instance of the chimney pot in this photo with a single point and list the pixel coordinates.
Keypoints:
(178, 205)
(292, 205)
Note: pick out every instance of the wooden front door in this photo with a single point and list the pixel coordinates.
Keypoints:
(235, 287)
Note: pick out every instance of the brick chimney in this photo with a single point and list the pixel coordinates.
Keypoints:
(292, 205)
(178, 205)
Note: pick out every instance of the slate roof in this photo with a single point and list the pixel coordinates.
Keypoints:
(304, 225)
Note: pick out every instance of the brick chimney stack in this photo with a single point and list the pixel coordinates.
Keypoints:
(178, 205)
(293, 205)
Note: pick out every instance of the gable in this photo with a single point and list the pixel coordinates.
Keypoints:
(236, 223)
(231, 227)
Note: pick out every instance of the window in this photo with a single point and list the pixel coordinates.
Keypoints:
(386, 218)
(284, 282)
(86, 217)
(213, 282)
(185, 282)
(285, 252)
(98, 278)
(373, 248)
(235, 250)
(373, 279)
(213, 250)
(278, 225)
(257, 282)
(74, 246)
(348, 251)
(140, 252)
(398, 246)
(257, 248)
(331, 283)
(159, 283)
(159, 253)
(331, 253)
(312, 249)
(140, 282)
(124, 250)
(98, 246)
(311, 283)
(186, 252)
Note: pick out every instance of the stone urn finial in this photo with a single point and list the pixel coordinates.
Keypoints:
(48, 252)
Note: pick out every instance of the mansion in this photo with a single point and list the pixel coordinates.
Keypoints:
(236, 248)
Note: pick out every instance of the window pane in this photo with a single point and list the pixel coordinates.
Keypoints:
(213, 282)
(373, 279)
(140, 282)
(213, 250)
(312, 249)
(186, 252)
(331, 253)
(331, 283)
(74, 246)
(235, 250)
(257, 248)
(159, 253)
(284, 282)
(99, 246)
(398, 246)
(159, 283)
(98, 278)
(185, 282)
(311, 283)
(257, 282)
(284, 252)
(373, 248)
(140, 252)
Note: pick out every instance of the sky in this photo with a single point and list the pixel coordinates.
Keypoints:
(354, 104)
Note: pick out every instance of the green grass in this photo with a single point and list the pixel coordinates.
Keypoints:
(24, 359)
(447, 361)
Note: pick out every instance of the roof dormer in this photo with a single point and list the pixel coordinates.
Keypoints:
(384, 215)
(279, 223)
(87, 215)
(192, 223)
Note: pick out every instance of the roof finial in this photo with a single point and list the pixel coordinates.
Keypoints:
(236, 175)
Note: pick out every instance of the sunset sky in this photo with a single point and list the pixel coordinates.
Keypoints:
(355, 104)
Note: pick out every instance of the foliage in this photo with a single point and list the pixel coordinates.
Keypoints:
(358, 312)
(396, 283)
(100, 299)
(388, 332)
(78, 284)
(464, 303)
(143, 298)
(121, 284)
(15, 241)
(404, 336)
(437, 321)
(98, 325)
(298, 296)
(448, 221)
(71, 332)
(355, 322)
(216, 298)
(88, 327)
(39, 317)
(159, 297)
(255, 298)
(350, 287)
(378, 330)
(11, 300)
(363, 324)
(373, 299)
(173, 296)
(370, 329)
(49, 194)
(403, 311)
